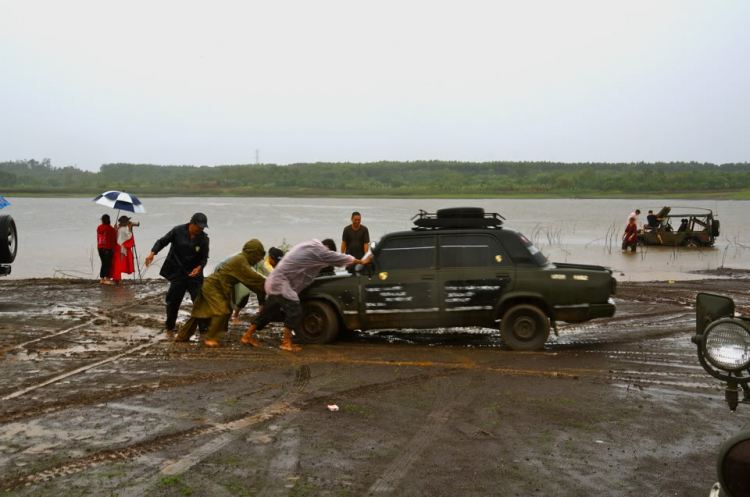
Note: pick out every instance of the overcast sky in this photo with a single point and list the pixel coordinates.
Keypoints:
(194, 82)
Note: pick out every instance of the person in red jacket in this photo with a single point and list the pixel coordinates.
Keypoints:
(105, 243)
(122, 261)
(630, 237)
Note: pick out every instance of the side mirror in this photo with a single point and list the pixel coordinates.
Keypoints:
(709, 307)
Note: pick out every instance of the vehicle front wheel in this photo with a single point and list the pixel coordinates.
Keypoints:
(319, 323)
(692, 243)
(8, 240)
(524, 327)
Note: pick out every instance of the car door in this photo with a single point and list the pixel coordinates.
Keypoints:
(401, 292)
(474, 271)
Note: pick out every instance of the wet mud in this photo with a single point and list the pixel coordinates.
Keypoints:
(96, 400)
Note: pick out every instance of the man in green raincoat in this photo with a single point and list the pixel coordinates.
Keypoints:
(214, 300)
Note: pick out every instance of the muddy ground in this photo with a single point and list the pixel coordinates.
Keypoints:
(94, 400)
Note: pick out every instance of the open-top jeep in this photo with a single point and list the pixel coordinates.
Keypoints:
(459, 267)
(690, 227)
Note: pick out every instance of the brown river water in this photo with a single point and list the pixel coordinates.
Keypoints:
(57, 235)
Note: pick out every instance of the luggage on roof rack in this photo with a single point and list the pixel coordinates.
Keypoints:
(457, 218)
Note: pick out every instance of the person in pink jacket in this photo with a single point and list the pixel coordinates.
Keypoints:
(295, 272)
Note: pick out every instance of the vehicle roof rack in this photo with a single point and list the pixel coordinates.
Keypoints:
(457, 218)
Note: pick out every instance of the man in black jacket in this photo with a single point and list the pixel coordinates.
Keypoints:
(183, 267)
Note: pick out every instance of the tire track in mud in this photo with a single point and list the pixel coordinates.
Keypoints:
(86, 400)
(87, 323)
(161, 442)
(82, 369)
(302, 378)
(293, 402)
(391, 478)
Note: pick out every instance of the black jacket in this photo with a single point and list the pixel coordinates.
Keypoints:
(184, 254)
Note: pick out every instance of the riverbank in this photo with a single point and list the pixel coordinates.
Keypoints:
(99, 401)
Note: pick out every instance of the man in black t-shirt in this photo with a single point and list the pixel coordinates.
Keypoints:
(355, 240)
(653, 221)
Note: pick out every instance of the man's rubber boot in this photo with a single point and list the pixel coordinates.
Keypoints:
(172, 311)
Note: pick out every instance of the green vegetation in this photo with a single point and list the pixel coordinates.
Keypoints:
(177, 483)
(386, 179)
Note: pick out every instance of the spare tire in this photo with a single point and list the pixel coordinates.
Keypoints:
(715, 227)
(460, 213)
(8, 240)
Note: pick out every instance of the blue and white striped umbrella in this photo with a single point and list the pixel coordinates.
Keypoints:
(121, 201)
(3, 202)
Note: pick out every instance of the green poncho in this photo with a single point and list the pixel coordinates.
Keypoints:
(216, 293)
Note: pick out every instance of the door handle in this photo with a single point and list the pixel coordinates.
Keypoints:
(428, 277)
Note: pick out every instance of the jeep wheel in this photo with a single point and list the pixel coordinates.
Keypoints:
(319, 323)
(692, 242)
(524, 327)
(8, 240)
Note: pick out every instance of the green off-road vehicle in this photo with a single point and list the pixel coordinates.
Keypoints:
(689, 227)
(457, 268)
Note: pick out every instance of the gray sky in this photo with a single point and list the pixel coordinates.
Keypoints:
(91, 82)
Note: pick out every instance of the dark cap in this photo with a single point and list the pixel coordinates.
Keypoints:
(199, 219)
(123, 220)
(275, 254)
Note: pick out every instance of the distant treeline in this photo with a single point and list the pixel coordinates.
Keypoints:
(439, 178)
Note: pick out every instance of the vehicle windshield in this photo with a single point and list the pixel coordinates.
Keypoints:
(535, 252)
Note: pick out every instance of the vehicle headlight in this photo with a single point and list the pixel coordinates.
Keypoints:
(726, 344)
(734, 465)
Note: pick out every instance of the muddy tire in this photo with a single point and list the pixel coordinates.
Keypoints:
(691, 242)
(715, 225)
(319, 323)
(524, 327)
(8, 240)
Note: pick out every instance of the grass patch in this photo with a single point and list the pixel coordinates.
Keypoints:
(177, 483)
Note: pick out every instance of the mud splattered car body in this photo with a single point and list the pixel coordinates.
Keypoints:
(458, 268)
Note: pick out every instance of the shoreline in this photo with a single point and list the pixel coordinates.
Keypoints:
(243, 193)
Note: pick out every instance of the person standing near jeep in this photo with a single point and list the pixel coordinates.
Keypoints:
(630, 237)
(355, 240)
(183, 267)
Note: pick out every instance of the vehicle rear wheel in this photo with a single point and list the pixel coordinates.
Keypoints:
(319, 323)
(8, 240)
(692, 242)
(524, 327)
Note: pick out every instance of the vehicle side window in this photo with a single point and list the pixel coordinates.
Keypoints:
(471, 251)
(522, 251)
(407, 253)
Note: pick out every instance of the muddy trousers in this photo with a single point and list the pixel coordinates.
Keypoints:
(216, 326)
(175, 294)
